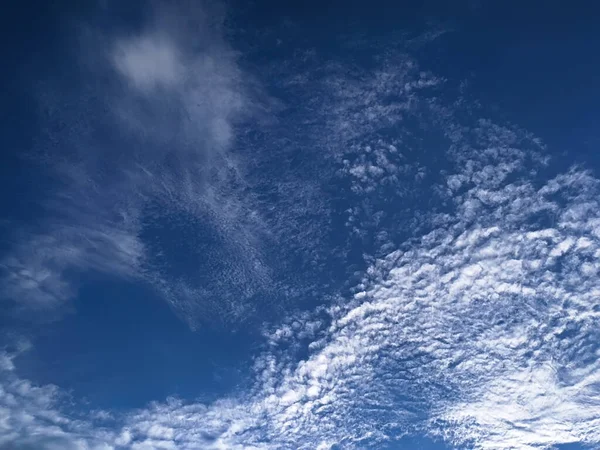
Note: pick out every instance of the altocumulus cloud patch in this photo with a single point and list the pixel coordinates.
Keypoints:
(409, 264)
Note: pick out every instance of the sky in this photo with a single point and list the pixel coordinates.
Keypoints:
(300, 225)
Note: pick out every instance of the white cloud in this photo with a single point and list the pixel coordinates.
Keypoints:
(474, 333)
(31, 416)
(149, 62)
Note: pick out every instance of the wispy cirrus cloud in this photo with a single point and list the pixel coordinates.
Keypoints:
(148, 147)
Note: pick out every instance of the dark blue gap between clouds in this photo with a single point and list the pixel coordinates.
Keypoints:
(534, 63)
(122, 347)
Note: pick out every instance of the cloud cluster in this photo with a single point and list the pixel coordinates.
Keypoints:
(482, 331)
(31, 416)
